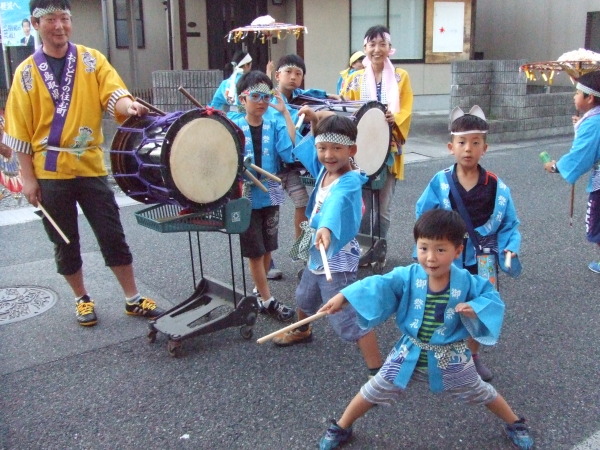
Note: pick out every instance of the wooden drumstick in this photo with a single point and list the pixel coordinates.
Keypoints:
(572, 208)
(255, 181)
(189, 96)
(150, 107)
(325, 262)
(293, 326)
(248, 164)
(508, 260)
(54, 224)
(265, 173)
(300, 120)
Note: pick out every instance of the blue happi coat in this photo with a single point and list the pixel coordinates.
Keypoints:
(219, 100)
(341, 212)
(585, 151)
(403, 292)
(276, 147)
(503, 222)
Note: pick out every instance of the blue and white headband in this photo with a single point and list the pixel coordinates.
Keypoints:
(39, 12)
(334, 138)
(263, 88)
(587, 90)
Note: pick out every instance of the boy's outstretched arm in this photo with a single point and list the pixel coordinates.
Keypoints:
(335, 304)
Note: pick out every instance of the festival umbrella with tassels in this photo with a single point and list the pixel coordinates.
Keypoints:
(575, 63)
(264, 29)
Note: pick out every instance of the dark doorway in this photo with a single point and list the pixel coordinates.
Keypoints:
(225, 15)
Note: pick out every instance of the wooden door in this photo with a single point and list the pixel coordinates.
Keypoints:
(225, 15)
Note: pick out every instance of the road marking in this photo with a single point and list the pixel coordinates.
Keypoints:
(591, 443)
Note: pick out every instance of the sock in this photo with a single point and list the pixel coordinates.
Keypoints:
(266, 303)
(272, 266)
(83, 297)
(134, 299)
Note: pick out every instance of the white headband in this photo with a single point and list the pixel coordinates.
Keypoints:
(39, 12)
(388, 39)
(334, 138)
(475, 111)
(245, 60)
(289, 66)
(587, 90)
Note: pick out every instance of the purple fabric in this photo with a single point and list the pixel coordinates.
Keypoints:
(61, 94)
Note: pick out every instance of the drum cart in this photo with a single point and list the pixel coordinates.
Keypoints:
(202, 312)
(373, 249)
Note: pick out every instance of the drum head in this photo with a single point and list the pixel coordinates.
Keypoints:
(373, 139)
(203, 158)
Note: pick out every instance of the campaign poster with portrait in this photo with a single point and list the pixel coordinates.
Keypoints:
(17, 30)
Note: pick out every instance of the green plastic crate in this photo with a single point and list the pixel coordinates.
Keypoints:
(233, 218)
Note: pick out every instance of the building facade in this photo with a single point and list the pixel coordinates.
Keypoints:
(191, 34)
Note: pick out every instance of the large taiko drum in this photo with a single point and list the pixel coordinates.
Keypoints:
(191, 158)
(374, 132)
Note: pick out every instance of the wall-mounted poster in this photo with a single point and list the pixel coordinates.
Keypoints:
(448, 27)
(16, 26)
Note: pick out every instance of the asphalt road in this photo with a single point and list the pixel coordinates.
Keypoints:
(65, 386)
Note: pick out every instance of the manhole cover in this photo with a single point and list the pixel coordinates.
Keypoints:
(23, 302)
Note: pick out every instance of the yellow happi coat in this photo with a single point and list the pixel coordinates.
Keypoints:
(352, 91)
(30, 111)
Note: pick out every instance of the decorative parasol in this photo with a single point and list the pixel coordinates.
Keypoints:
(264, 29)
(575, 63)
(10, 174)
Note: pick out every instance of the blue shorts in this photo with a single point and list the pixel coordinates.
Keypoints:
(592, 218)
(314, 290)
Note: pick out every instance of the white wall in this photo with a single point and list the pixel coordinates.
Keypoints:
(326, 46)
(536, 30)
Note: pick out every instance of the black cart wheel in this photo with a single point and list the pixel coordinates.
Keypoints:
(174, 348)
(246, 332)
(152, 336)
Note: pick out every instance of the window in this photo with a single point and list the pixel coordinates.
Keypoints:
(121, 24)
(404, 18)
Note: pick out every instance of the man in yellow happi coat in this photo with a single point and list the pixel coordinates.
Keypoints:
(54, 123)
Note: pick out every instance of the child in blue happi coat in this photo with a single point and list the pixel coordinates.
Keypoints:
(436, 306)
(584, 154)
(480, 197)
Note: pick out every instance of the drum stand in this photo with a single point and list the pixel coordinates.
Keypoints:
(373, 248)
(197, 315)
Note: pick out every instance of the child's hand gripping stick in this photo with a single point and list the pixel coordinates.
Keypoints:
(293, 326)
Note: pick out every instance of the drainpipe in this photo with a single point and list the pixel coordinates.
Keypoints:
(106, 30)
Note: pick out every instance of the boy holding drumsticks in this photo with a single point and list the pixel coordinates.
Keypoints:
(267, 142)
(334, 212)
